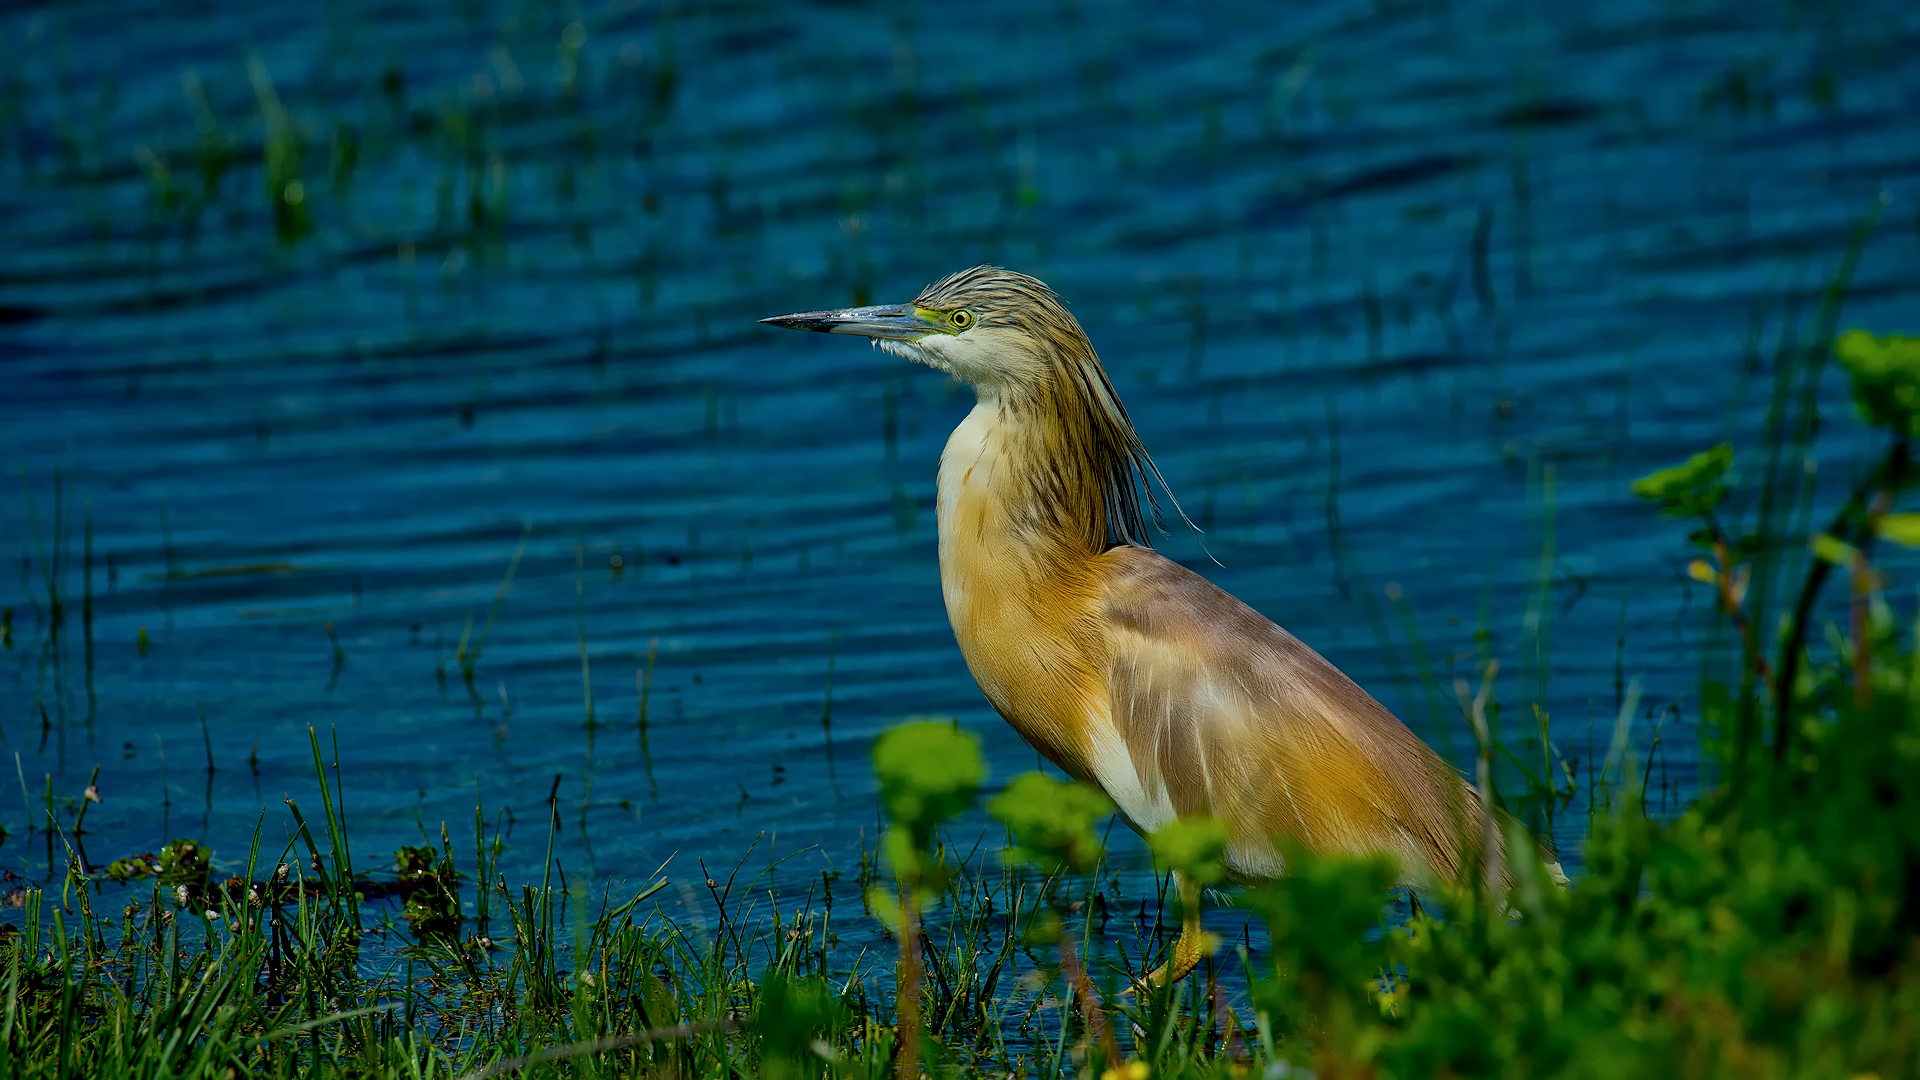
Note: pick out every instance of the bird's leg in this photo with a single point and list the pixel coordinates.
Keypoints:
(1193, 945)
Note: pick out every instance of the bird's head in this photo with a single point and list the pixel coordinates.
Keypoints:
(1011, 338)
(999, 331)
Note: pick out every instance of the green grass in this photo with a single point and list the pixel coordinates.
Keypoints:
(291, 969)
(1772, 932)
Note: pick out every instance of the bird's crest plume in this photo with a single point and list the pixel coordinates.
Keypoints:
(1096, 451)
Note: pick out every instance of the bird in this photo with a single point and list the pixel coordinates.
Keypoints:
(1129, 671)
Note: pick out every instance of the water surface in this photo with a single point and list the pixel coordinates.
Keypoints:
(320, 312)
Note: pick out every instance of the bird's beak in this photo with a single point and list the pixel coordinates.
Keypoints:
(894, 322)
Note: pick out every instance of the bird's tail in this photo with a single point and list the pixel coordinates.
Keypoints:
(1475, 830)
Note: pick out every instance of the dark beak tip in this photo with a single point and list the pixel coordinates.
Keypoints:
(887, 321)
(797, 321)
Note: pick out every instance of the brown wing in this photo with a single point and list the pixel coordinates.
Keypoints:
(1223, 712)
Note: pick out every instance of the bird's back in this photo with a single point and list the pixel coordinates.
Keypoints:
(1222, 712)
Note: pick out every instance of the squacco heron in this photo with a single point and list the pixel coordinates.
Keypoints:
(1124, 668)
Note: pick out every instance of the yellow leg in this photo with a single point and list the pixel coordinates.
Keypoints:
(1193, 945)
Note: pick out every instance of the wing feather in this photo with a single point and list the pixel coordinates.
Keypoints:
(1225, 713)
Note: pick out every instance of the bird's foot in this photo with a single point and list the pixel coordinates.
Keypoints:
(1193, 946)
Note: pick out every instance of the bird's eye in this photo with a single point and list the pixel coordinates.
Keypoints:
(961, 319)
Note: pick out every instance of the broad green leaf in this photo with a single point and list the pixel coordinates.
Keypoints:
(1902, 529)
(1834, 550)
(929, 770)
(1052, 821)
(886, 908)
(793, 1013)
(1692, 487)
(184, 862)
(1319, 918)
(1194, 846)
(1886, 377)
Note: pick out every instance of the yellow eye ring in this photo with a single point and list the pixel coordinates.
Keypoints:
(961, 319)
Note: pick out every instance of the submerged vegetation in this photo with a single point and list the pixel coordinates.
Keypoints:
(1771, 929)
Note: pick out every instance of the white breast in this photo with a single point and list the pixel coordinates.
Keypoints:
(967, 468)
(1114, 771)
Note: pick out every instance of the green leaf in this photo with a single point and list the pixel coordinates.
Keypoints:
(416, 861)
(1886, 377)
(1319, 917)
(929, 770)
(793, 1015)
(886, 908)
(1195, 847)
(1691, 488)
(1902, 529)
(1834, 550)
(897, 845)
(1052, 821)
(184, 862)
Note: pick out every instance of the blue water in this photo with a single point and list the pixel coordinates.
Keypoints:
(1421, 279)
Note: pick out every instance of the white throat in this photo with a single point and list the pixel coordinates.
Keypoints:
(982, 553)
(986, 359)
